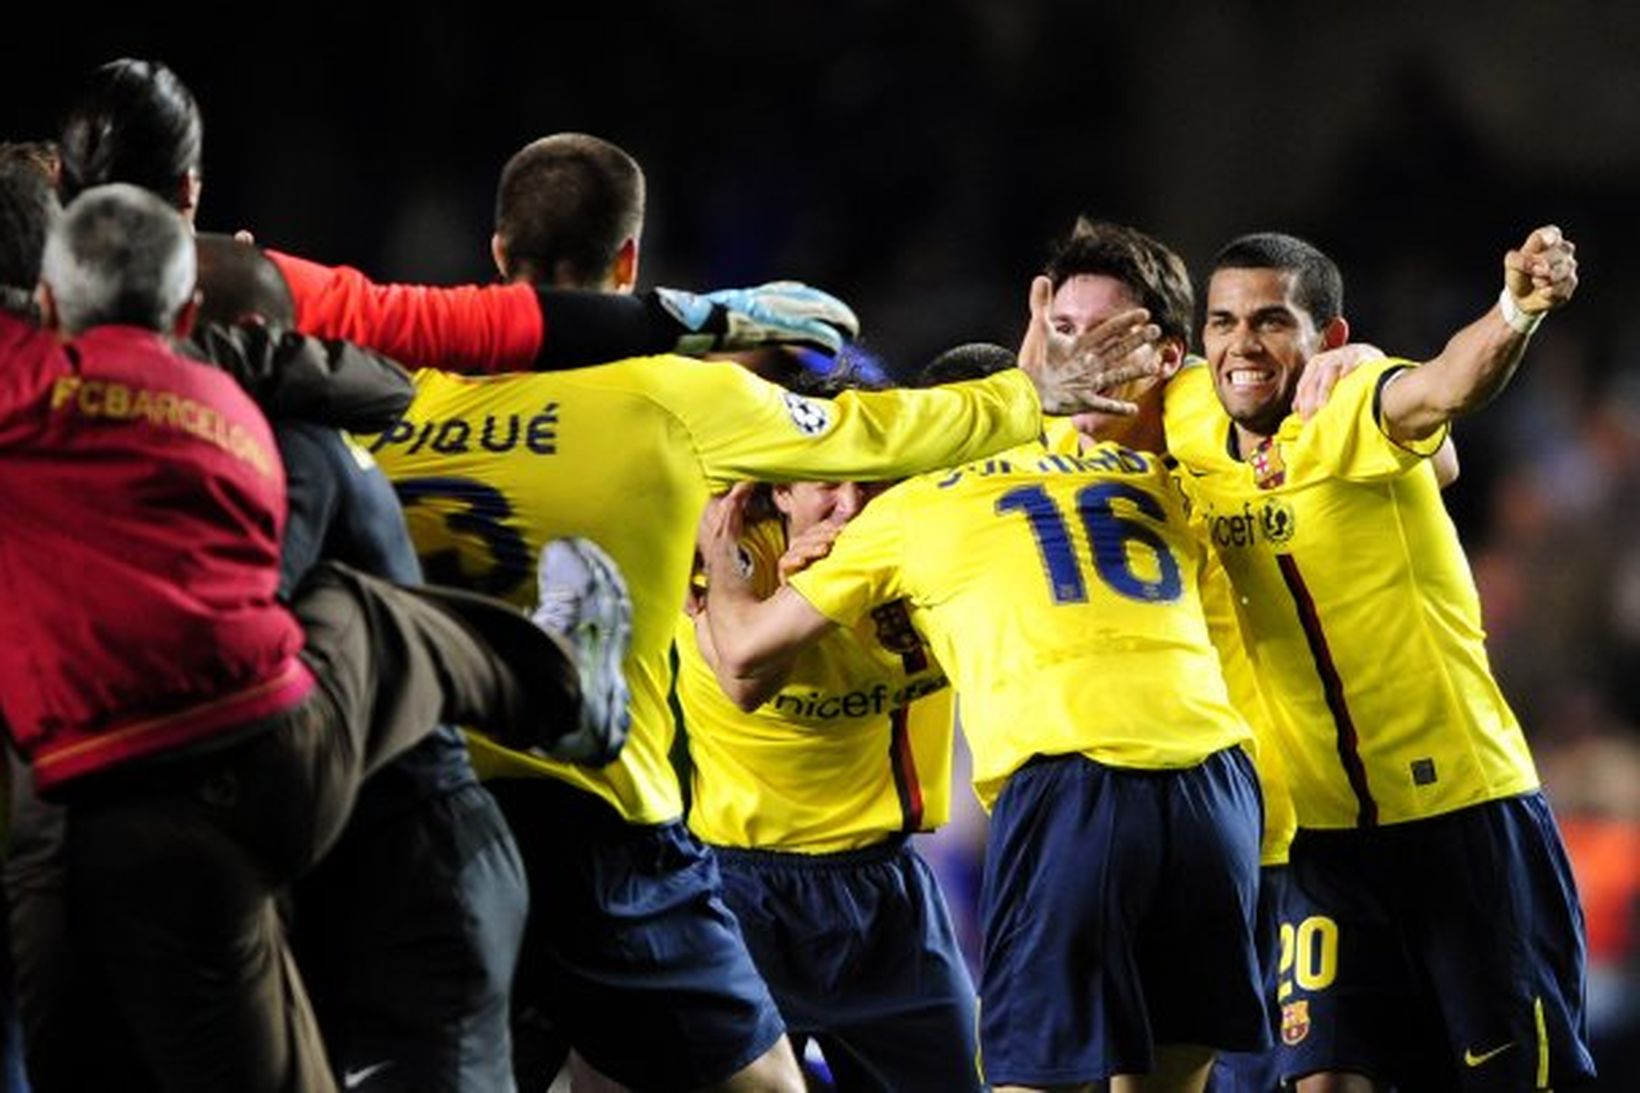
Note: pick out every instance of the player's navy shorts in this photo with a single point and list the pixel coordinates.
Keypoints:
(1259, 1071)
(1445, 953)
(629, 947)
(858, 949)
(1118, 910)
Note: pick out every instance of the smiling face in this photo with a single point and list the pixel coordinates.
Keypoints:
(1257, 340)
(1080, 304)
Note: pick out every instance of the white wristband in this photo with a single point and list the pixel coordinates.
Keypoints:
(1519, 321)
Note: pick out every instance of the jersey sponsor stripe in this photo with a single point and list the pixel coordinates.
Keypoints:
(904, 765)
(1349, 741)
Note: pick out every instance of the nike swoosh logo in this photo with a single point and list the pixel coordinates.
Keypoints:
(353, 1079)
(1471, 1059)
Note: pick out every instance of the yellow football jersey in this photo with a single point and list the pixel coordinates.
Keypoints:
(1280, 821)
(853, 748)
(1190, 405)
(1060, 593)
(1360, 612)
(491, 468)
(1229, 636)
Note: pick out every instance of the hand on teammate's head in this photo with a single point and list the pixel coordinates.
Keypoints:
(1073, 375)
(808, 547)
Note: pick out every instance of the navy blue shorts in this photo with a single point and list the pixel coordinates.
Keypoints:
(858, 949)
(630, 949)
(1259, 1071)
(1119, 911)
(1445, 953)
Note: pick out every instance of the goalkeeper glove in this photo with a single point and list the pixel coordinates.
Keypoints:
(778, 313)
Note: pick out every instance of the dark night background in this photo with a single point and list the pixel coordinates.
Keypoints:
(915, 158)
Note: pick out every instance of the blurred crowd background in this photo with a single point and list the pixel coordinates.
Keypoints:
(916, 157)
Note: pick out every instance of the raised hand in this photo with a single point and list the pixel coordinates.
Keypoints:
(1542, 274)
(810, 545)
(1072, 376)
(721, 525)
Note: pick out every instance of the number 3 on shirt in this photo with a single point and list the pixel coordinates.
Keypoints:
(478, 511)
(1108, 534)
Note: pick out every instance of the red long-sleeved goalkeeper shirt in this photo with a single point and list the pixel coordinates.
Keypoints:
(141, 507)
(471, 328)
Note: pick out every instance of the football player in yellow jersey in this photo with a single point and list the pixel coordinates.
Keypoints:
(808, 782)
(1097, 268)
(1433, 928)
(1062, 599)
(629, 947)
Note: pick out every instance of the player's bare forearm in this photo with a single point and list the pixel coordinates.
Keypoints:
(758, 639)
(746, 692)
(1476, 364)
(1479, 360)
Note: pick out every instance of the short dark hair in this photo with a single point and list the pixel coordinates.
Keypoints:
(1156, 275)
(1318, 287)
(28, 210)
(971, 361)
(134, 121)
(565, 205)
(236, 279)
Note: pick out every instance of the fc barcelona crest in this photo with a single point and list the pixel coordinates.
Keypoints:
(1268, 469)
(1295, 1022)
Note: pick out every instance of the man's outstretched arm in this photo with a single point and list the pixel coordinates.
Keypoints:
(1480, 359)
(520, 327)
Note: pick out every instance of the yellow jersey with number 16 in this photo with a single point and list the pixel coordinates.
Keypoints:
(1059, 590)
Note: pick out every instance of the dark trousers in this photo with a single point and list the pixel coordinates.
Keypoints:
(153, 955)
(408, 933)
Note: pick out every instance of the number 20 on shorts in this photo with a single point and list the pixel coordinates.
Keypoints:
(1309, 955)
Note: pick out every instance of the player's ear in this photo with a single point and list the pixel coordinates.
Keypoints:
(50, 318)
(624, 272)
(1172, 353)
(187, 316)
(1335, 333)
(189, 188)
(498, 254)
